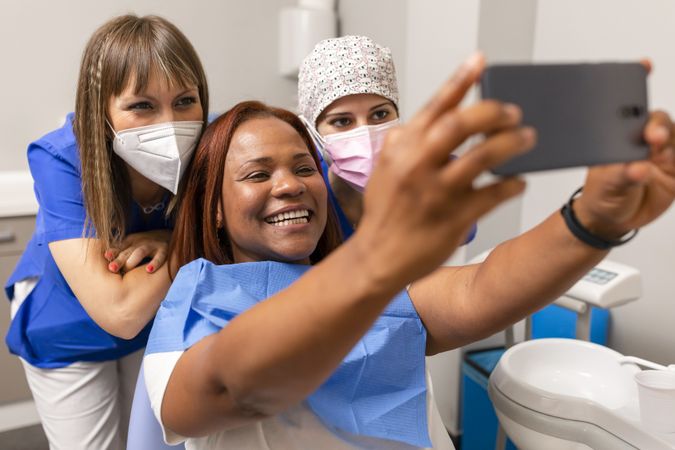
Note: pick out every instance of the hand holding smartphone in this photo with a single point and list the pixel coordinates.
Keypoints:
(584, 114)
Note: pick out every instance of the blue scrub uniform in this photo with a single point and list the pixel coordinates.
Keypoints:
(51, 329)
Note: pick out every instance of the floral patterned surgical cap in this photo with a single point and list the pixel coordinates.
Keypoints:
(344, 66)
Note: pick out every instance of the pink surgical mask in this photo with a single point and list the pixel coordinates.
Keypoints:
(353, 153)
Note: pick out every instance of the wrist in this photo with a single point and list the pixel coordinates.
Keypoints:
(378, 275)
(603, 229)
(586, 227)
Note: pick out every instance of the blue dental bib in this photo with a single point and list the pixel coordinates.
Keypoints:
(378, 390)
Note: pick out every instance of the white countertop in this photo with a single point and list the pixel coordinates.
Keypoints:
(16, 194)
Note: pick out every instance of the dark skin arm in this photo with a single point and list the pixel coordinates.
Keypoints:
(459, 305)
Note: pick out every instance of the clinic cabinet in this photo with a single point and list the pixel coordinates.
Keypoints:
(15, 232)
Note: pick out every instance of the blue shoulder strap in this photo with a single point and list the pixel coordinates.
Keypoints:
(345, 225)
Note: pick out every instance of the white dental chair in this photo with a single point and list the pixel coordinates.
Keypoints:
(567, 394)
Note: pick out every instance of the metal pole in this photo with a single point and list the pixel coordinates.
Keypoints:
(500, 443)
(583, 329)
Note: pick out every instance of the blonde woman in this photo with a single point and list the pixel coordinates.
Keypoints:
(92, 276)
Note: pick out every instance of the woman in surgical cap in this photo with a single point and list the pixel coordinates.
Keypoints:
(271, 337)
(91, 279)
(348, 97)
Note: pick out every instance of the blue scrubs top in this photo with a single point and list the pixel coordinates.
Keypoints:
(51, 329)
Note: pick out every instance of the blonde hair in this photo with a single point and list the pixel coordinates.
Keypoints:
(126, 49)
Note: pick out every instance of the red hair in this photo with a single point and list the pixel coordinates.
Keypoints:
(196, 234)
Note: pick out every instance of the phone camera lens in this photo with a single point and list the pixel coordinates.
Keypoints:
(631, 111)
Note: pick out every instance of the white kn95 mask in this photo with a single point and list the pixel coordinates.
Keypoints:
(159, 152)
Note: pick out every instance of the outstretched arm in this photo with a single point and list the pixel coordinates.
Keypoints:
(461, 305)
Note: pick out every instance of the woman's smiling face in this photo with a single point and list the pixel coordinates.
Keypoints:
(274, 198)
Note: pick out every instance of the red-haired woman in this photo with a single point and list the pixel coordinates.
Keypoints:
(253, 350)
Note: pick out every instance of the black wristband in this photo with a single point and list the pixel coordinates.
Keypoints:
(585, 236)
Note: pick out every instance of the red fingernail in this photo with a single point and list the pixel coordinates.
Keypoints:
(113, 267)
(150, 268)
(107, 255)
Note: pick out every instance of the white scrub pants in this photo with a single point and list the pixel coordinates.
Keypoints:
(86, 405)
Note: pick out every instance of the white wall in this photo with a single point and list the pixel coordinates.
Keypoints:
(384, 21)
(606, 30)
(41, 43)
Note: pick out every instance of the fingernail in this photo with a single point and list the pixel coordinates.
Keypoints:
(512, 110)
(107, 255)
(470, 65)
(661, 134)
(150, 269)
(473, 61)
(113, 267)
(529, 134)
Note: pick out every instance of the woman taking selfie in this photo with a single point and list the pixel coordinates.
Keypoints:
(272, 338)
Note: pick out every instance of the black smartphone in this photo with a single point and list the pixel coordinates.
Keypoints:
(584, 114)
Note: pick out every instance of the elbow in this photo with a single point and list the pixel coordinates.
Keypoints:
(122, 323)
(123, 331)
(255, 387)
(231, 409)
(254, 401)
(254, 404)
(124, 317)
(254, 408)
(126, 332)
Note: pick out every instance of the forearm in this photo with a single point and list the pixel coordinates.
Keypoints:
(132, 301)
(460, 305)
(120, 304)
(284, 348)
(526, 273)
(280, 351)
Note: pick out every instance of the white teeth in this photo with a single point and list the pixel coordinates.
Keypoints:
(289, 216)
(284, 223)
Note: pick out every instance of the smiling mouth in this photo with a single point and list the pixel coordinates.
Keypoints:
(289, 218)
